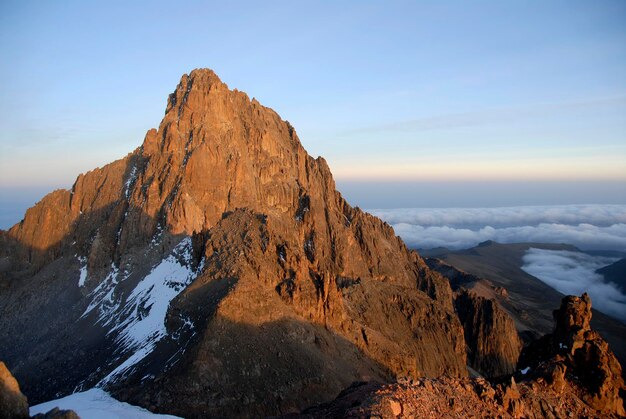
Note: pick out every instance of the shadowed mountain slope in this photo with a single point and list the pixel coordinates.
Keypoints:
(216, 269)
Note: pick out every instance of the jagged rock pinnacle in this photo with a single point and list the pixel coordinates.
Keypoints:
(201, 80)
(574, 353)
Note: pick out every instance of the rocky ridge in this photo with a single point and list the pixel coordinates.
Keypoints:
(582, 380)
(216, 271)
(217, 255)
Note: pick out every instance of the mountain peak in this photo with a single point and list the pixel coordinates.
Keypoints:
(219, 256)
(201, 80)
(225, 212)
(205, 73)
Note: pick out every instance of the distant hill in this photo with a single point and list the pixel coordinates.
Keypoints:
(615, 273)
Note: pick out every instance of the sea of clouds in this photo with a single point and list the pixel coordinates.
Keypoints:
(588, 227)
(573, 273)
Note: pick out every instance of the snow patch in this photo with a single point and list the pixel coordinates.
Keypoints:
(145, 309)
(154, 293)
(104, 298)
(131, 180)
(156, 239)
(97, 404)
(83, 271)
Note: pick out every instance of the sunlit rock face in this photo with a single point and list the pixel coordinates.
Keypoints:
(574, 354)
(569, 373)
(216, 270)
(13, 404)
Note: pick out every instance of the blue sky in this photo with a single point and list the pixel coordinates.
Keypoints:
(442, 92)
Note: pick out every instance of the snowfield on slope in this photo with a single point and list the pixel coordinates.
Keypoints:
(139, 320)
(97, 404)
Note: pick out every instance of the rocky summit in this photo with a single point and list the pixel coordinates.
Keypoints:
(216, 271)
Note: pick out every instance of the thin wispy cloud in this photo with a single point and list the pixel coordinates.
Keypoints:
(573, 273)
(489, 116)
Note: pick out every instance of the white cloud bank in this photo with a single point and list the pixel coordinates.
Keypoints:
(574, 273)
(598, 215)
(589, 227)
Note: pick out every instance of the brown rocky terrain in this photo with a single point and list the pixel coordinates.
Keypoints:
(580, 380)
(288, 294)
(57, 413)
(493, 270)
(216, 271)
(14, 405)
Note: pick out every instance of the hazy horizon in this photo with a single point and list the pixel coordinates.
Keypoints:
(461, 215)
(14, 201)
(418, 106)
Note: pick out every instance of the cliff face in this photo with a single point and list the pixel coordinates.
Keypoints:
(13, 404)
(569, 373)
(217, 269)
(492, 341)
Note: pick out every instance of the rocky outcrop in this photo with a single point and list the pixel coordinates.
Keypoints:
(493, 345)
(289, 295)
(580, 380)
(452, 398)
(57, 413)
(13, 404)
(576, 356)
